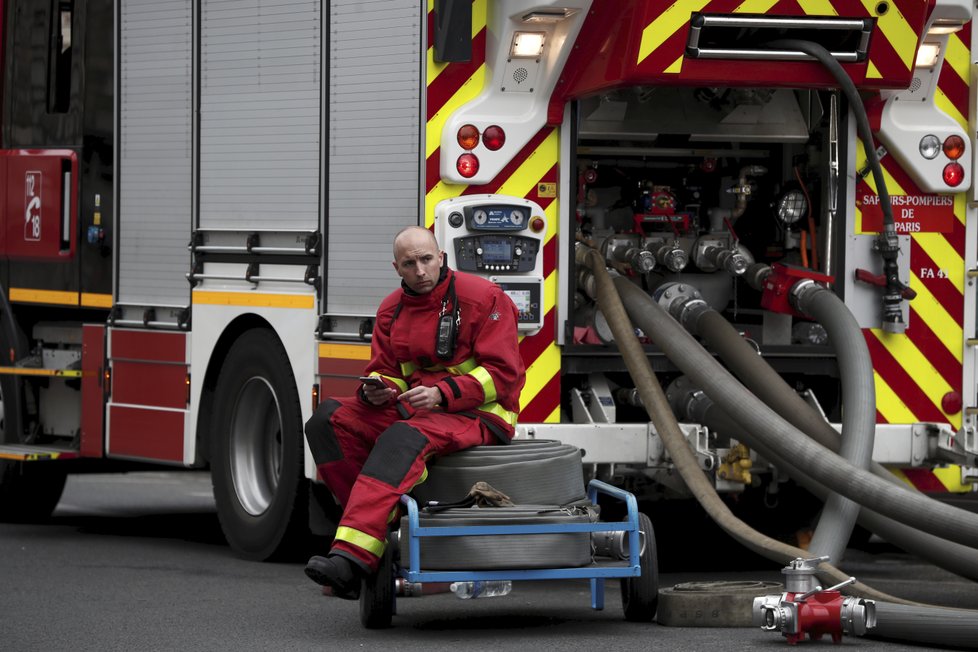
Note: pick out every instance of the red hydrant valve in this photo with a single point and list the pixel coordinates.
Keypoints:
(776, 295)
(814, 613)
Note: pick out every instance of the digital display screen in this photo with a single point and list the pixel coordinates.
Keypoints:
(521, 298)
(497, 251)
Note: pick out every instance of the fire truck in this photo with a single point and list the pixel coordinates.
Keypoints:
(199, 198)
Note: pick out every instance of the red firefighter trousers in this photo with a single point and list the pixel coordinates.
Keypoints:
(370, 456)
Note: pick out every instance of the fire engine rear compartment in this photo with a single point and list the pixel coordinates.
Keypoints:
(687, 168)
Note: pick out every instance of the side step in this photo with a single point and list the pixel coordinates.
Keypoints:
(23, 453)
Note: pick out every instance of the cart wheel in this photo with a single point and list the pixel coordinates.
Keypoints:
(377, 595)
(640, 595)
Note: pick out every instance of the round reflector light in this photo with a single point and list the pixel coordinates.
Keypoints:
(468, 165)
(954, 147)
(493, 137)
(468, 136)
(953, 174)
(930, 146)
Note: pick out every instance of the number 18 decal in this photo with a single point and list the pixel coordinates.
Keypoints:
(32, 206)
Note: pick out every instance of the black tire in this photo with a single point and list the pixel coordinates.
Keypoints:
(377, 595)
(29, 491)
(640, 595)
(256, 449)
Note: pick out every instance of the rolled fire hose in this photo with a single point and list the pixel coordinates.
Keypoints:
(675, 442)
(542, 477)
(683, 350)
(948, 555)
(859, 414)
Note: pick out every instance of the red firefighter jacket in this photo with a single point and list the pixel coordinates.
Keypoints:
(485, 375)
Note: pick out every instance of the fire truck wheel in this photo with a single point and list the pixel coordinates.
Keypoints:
(640, 595)
(29, 491)
(256, 450)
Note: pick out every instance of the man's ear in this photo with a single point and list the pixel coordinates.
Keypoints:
(394, 265)
(444, 260)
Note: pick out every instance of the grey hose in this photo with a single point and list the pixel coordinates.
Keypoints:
(930, 625)
(666, 425)
(950, 556)
(859, 416)
(827, 467)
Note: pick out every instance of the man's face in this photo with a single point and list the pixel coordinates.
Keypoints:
(417, 260)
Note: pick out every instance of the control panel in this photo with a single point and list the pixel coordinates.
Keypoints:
(500, 238)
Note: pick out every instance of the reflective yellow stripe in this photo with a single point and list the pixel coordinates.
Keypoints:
(408, 368)
(90, 299)
(499, 411)
(401, 385)
(463, 367)
(361, 540)
(488, 386)
(29, 295)
(344, 351)
(253, 300)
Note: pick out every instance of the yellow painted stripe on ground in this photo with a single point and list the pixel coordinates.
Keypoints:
(935, 316)
(28, 295)
(253, 299)
(927, 378)
(666, 24)
(895, 28)
(950, 477)
(755, 6)
(93, 300)
(344, 351)
(893, 409)
(478, 23)
(539, 373)
(945, 105)
(958, 58)
(817, 7)
(468, 91)
(944, 256)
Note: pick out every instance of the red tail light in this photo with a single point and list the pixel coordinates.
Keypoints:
(953, 174)
(468, 165)
(468, 136)
(493, 137)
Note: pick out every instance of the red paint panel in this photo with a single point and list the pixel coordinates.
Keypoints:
(34, 204)
(333, 386)
(149, 346)
(533, 345)
(93, 396)
(147, 383)
(146, 433)
(341, 366)
(928, 271)
(447, 83)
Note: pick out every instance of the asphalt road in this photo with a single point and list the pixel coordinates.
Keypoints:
(137, 562)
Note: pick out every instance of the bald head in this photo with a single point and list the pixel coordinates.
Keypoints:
(417, 259)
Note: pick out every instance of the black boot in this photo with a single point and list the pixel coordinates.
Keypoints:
(338, 573)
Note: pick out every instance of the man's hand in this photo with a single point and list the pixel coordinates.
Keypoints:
(421, 397)
(377, 395)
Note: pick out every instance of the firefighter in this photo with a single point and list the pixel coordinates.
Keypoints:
(446, 375)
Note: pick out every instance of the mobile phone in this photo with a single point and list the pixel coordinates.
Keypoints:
(373, 381)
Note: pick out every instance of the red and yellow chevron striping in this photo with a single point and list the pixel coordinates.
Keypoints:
(449, 86)
(918, 373)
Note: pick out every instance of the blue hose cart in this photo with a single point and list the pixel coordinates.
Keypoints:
(638, 574)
